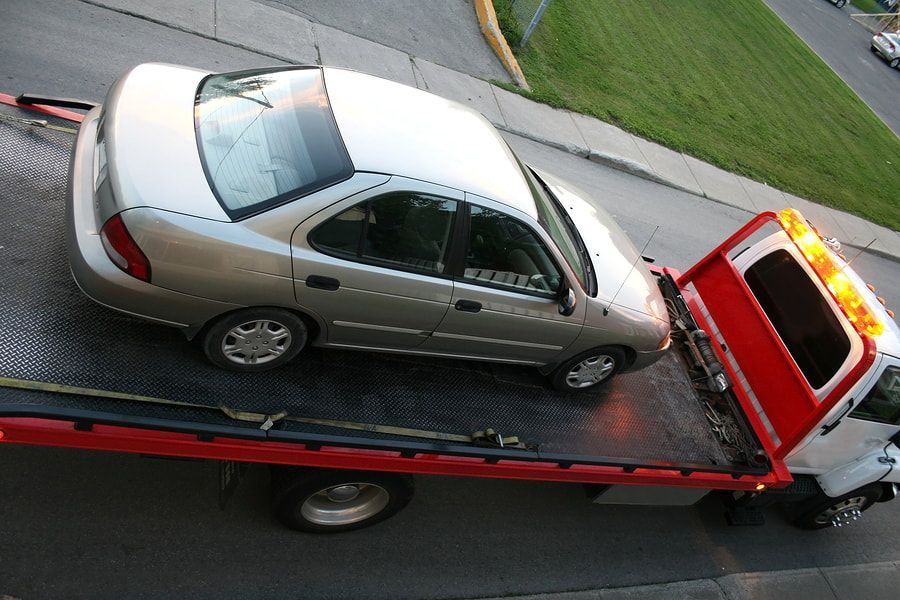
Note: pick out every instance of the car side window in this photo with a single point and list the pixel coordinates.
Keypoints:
(406, 230)
(504, 252)
(882, 403)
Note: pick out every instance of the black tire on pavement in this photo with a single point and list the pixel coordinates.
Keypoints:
(601, 357)
(817, 512)
(334, 500)
(895, 62)
(840, 3)
(259, 330)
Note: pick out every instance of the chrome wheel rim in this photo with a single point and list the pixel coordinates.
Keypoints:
(842, 512)
(590, 371)
(256, 342)
(345, 504)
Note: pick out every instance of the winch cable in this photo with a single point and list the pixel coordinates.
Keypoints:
(486, 437)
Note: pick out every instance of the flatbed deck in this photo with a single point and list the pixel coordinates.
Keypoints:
(53, 334)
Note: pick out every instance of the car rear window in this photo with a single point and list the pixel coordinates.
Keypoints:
(266, 137)
(801, 315)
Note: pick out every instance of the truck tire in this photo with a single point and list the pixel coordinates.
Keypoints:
(819, 512)
(331, 501)
(255, 339)
(588, 369)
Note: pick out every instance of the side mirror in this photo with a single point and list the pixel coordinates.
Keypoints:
(895, 439)
(567, 301)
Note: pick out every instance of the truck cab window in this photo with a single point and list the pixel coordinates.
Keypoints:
(801, 315)
(882, 403)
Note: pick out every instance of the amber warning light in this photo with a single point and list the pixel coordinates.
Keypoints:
(831, 272)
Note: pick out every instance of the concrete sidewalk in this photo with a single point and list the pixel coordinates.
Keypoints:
(874, 581)
(286, 36)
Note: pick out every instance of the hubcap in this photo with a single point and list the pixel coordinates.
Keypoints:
(843, 512)
(344, 504)
(590, 371)
(256, 342)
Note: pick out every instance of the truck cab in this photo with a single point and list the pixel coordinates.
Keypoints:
(831, 322)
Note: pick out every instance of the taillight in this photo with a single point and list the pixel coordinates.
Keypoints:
(122, 250)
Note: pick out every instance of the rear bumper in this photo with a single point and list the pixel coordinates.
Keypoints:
(93, 271)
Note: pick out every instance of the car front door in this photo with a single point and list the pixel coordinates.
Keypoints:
(374, 269)
(505, 303)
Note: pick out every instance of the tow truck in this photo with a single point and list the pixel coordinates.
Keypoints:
(782, 383)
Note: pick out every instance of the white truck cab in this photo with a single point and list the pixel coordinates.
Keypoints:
(827, 318)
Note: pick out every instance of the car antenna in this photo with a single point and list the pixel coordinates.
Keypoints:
(627, 275)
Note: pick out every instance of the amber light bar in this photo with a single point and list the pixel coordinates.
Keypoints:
(831, 273)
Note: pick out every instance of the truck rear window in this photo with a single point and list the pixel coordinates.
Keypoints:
(801, 315)
(267, 136)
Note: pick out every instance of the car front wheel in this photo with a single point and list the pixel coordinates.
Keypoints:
(588, 369)
(255, 339)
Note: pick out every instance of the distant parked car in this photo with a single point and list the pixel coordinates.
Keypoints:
(887, 45)
(261, 213)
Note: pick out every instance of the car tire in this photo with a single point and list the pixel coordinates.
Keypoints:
(818, 512)
(588, 370)
(895, 62)
(332, 501)
(840, 3)
(255, 339)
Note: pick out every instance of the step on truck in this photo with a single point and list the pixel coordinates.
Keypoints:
(781, 385)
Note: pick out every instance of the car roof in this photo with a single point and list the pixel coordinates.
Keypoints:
(395, 129)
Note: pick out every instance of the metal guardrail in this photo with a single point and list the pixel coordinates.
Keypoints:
(878, 22)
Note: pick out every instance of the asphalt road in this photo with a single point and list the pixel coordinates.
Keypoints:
(85, 524)
(844, 45)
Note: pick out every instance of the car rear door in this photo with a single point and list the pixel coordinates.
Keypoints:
(505, 303)
(372, 267)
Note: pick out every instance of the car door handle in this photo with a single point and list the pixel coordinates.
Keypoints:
(321, 282)
(468, 306)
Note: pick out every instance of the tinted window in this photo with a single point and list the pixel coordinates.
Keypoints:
(801, 316)
(882, 403)
(405, 230)
(267, 136)
(504, 252)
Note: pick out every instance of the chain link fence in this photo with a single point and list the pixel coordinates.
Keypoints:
(527, 14)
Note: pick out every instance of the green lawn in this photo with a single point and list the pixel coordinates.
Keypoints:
(869, 6)
(725, 81)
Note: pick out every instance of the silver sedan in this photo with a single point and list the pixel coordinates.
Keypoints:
(267, 210)
(887, 45)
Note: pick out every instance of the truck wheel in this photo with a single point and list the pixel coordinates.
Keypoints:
(588, 369)
(822, 511)
(255, 339)
(331, 501)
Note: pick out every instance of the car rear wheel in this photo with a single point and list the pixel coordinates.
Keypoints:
(255, 339)
(840, 3)
(895, 62)
(588, 369)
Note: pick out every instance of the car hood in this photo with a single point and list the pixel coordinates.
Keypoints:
(620, 272)
(151, 146)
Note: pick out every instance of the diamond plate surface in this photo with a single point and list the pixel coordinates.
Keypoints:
(51, 332)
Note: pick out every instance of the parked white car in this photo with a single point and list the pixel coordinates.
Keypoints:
(887, 44)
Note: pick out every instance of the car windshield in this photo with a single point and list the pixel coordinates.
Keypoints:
(560, 229)
(267, 136)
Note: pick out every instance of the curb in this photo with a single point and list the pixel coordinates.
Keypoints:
(487, 18)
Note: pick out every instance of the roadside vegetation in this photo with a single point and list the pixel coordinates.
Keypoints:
(869, 6)
(724, 81)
